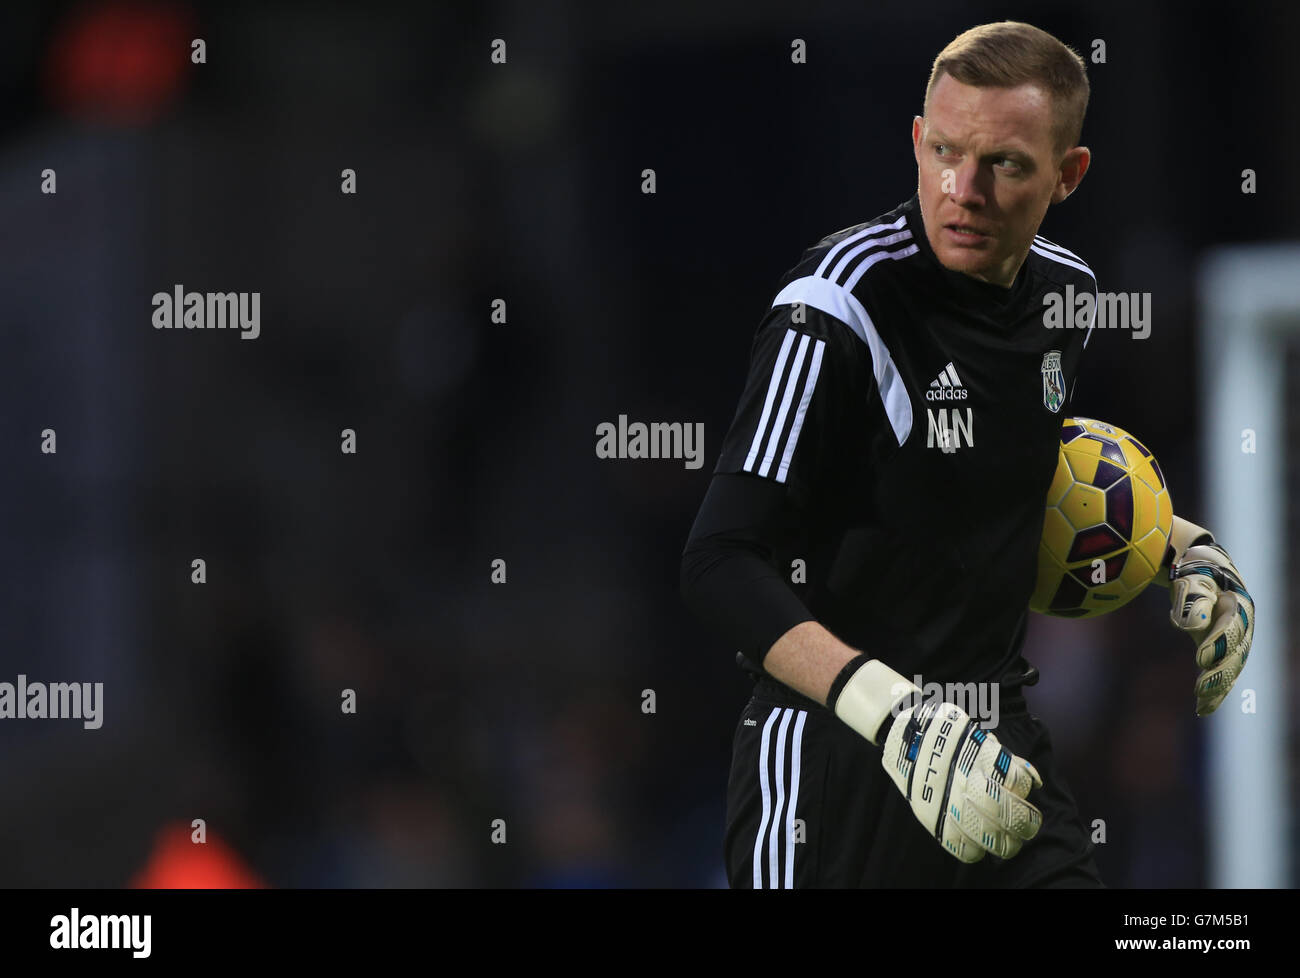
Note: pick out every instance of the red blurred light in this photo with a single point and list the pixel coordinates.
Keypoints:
(123, 61)
(177, 863)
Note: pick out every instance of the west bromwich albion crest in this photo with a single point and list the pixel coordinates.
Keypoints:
(1053, 381)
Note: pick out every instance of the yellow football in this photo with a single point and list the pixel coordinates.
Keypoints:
(1107, 523)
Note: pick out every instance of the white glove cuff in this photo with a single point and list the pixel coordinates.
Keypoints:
(869, 697)
(1183, 535)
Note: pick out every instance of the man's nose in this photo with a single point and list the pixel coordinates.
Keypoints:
(965, 185)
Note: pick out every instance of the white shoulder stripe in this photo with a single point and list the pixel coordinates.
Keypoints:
(903, 235)
(1057, 253)
(856, 238)
(785, 427)
(778, 426)
(1050, 246)
(1064, 261)
(895, 255)
(1088, 335)
(1046, 247)
(842, 304)
(772, 386)
(802, 410)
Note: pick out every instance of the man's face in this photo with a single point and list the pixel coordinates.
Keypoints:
(987, 170)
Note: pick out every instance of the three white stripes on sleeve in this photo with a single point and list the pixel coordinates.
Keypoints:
(785, 425)
(778, 812)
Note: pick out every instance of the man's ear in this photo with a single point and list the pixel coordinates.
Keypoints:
(1074, 165)
(918, 127)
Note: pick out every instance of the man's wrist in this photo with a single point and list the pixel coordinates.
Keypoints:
(850, 669)
(865, 694)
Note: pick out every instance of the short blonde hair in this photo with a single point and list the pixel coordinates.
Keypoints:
(1011, 53)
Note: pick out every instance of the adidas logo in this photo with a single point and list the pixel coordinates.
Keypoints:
(947, 387)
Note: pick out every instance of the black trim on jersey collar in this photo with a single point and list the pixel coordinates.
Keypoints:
(970, 289)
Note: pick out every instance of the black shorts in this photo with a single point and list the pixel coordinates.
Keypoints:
(810, 805)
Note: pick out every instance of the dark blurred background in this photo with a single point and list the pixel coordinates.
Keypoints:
(475, 440)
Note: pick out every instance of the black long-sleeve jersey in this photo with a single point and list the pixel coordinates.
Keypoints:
(887, 466)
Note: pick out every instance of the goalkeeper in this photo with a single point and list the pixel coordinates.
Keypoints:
(877, 505)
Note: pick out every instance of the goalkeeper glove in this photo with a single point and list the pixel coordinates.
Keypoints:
(964, 787)
(1209, 601)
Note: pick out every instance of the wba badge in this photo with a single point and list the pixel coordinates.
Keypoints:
(1053, 381)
